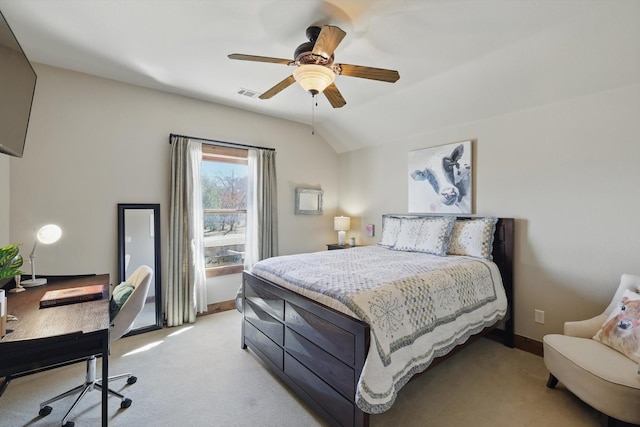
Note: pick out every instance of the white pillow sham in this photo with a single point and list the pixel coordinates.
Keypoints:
(428, 234)
(473, 237)
(390, 230)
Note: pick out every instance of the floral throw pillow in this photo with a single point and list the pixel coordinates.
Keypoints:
(621, 331)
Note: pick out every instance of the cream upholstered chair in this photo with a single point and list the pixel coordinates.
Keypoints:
(600, 376)
(140, 279)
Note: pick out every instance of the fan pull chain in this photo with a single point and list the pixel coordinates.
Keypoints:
(314, 103)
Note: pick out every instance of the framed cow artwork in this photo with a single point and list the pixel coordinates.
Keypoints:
(440, 179)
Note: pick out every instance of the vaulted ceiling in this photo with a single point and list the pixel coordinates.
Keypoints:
(459, 61)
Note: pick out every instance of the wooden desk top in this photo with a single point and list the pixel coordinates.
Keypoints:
(34, 322)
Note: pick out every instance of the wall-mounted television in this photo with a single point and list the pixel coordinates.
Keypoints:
(17, 86)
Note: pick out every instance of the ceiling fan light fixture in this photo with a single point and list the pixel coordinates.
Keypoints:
(314, 78)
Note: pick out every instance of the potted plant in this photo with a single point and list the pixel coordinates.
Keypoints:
(10, 262)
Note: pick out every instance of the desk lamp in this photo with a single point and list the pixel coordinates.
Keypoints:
(341, 224)
(48, 234)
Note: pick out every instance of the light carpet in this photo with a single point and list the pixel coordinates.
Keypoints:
(197, 375)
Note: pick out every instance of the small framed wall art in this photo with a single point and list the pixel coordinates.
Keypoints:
(308, 201)
(371, 230)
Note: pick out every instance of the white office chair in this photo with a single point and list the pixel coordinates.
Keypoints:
(120, 325)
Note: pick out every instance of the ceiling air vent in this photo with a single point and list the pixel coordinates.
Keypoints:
(249, 93)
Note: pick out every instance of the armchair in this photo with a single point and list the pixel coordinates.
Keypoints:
(599, 375)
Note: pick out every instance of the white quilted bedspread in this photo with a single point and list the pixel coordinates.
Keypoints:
(418, 306)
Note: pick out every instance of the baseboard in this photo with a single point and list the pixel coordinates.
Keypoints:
(528, 344)
(219, 307)
(521, 343)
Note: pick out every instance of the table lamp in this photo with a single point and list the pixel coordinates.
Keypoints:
(341, 224)
(48, 234)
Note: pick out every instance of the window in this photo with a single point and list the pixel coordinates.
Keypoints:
(224, 201)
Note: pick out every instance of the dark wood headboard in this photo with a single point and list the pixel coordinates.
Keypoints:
(503, 257)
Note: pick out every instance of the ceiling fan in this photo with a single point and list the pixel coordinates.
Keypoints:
(315, 67)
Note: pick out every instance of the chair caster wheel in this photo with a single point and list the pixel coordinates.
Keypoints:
(45, 411)
(132, 380)
(69, 424)
(126, 403)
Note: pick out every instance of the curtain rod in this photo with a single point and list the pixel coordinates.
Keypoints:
(216, 142)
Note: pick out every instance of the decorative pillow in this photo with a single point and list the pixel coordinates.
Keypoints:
(429, 235)
(119, 296)
(621, 331)
(473, 237)
(390, 229)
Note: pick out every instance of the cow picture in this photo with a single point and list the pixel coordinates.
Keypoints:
(622, 329)
(440, 179)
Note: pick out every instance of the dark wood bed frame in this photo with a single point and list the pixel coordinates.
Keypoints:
(319, 352)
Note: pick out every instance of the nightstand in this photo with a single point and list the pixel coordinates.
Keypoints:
(333, 246)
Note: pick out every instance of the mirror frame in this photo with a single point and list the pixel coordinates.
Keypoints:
(316, 193)
(155, 207)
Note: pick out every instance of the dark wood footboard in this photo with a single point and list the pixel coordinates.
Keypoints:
(319, 352)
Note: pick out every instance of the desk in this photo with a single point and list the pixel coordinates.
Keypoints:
(55, 336)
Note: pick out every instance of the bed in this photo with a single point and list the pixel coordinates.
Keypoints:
(309, 332)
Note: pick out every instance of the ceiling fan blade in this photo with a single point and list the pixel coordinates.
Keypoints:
(277, 88)
(381, 74)
(328, 39)
(255, 58)
(334, 96)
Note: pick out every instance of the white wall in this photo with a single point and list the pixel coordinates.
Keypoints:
(5, 191)
(567, 172)
(94, 143)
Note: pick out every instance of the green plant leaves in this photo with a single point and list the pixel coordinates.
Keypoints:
(10, 260)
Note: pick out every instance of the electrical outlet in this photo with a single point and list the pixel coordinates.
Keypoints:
(539, 316)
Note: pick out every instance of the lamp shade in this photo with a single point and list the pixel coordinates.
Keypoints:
(48, 234)
(341, 223)
(314, 78)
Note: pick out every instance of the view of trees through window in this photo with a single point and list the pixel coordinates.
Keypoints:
(224, 200)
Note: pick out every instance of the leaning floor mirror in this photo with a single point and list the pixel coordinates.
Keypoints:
(139, 244)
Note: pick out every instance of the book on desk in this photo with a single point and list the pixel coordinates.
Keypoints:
(73, 295)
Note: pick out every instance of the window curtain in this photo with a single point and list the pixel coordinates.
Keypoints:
(186, 292)
(262, 215)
